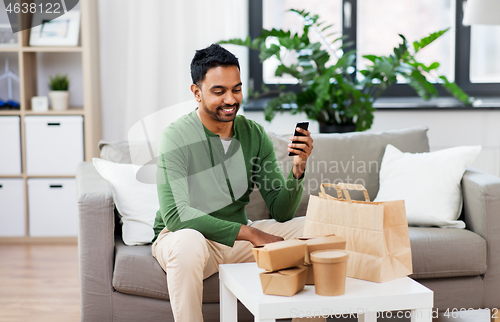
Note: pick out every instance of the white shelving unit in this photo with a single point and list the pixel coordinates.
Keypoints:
(89, 114)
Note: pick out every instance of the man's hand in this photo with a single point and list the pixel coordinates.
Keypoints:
(306, 145)
(256, 237)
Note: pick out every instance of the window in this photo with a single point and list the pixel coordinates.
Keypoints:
(377, 32)
(469, 56)
(275, 15)
(485, 54)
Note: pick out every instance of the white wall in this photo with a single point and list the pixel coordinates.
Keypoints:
(446, 129)
(146, 48)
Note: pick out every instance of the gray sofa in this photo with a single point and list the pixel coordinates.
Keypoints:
(125, 283)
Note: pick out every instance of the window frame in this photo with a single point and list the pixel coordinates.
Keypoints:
(462, 55)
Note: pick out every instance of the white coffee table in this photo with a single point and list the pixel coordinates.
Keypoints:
(242, 282)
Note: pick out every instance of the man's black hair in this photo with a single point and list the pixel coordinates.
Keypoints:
(210, 57)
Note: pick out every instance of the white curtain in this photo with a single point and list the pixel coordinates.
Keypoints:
(146, 47)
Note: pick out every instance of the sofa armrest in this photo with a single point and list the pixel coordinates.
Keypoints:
(95, 243)
(481, 193)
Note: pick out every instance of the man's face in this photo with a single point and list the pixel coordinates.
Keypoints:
(219, 94)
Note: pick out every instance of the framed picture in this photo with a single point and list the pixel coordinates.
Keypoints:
(62, 31)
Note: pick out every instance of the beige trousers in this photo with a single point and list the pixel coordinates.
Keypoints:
(188, 258)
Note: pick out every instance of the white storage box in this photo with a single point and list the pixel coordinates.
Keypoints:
(10, 145)
(12, 208)
(52, 207)
(54, 144)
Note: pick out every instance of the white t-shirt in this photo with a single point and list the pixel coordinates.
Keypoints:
(225, 144)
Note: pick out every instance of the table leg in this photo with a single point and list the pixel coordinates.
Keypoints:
(367, 317)
(228, 304)
(421, 315)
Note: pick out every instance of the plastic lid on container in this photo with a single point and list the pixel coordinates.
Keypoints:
(329, 256)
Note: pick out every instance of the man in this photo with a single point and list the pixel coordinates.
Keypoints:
(209, 161)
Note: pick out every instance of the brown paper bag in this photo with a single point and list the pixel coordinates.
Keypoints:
(376, 233)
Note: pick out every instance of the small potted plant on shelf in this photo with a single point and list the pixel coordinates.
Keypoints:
(59, 95)
(331, 91)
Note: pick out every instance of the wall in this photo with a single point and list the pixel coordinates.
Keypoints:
(146, 48)
(446, 129)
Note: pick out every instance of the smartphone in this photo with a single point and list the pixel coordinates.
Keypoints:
(302, 125)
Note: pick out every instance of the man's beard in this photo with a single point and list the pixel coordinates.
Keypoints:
(220, 116)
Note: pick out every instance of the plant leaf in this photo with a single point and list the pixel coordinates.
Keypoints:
(417, 87)
(428, 87)
(280, 70)
(325, 28)
(286, 42)
(424, 42)
(456, 91)
(236, 41)
(371, 58)
(273, 50)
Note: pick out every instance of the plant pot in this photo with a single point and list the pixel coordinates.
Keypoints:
(335, 128)
(59, 100)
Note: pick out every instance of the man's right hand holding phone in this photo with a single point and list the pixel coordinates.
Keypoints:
(302, 146)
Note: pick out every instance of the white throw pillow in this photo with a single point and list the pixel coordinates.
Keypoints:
(137, 202)
(429, 183)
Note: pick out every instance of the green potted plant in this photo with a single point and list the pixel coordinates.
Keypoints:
(59, 94)
(331, 93)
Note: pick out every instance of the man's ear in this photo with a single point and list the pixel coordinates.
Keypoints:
(197, 92)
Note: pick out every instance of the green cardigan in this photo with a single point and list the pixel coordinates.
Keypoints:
(202, 188)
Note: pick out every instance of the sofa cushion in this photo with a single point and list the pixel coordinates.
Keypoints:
(434, 177)
(136, 202)
(349, 157)
(137, 272)
(446, 252)
(256, 208)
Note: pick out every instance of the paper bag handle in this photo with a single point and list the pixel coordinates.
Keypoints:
(343, 187)
(339, 191)
(359, 187)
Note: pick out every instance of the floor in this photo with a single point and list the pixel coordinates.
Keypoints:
(39, 283)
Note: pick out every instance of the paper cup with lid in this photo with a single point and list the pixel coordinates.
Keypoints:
(330, 267)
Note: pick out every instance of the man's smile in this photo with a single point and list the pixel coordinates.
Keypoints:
(229, 109)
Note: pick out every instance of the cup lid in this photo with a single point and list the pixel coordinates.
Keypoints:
(329, 256)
